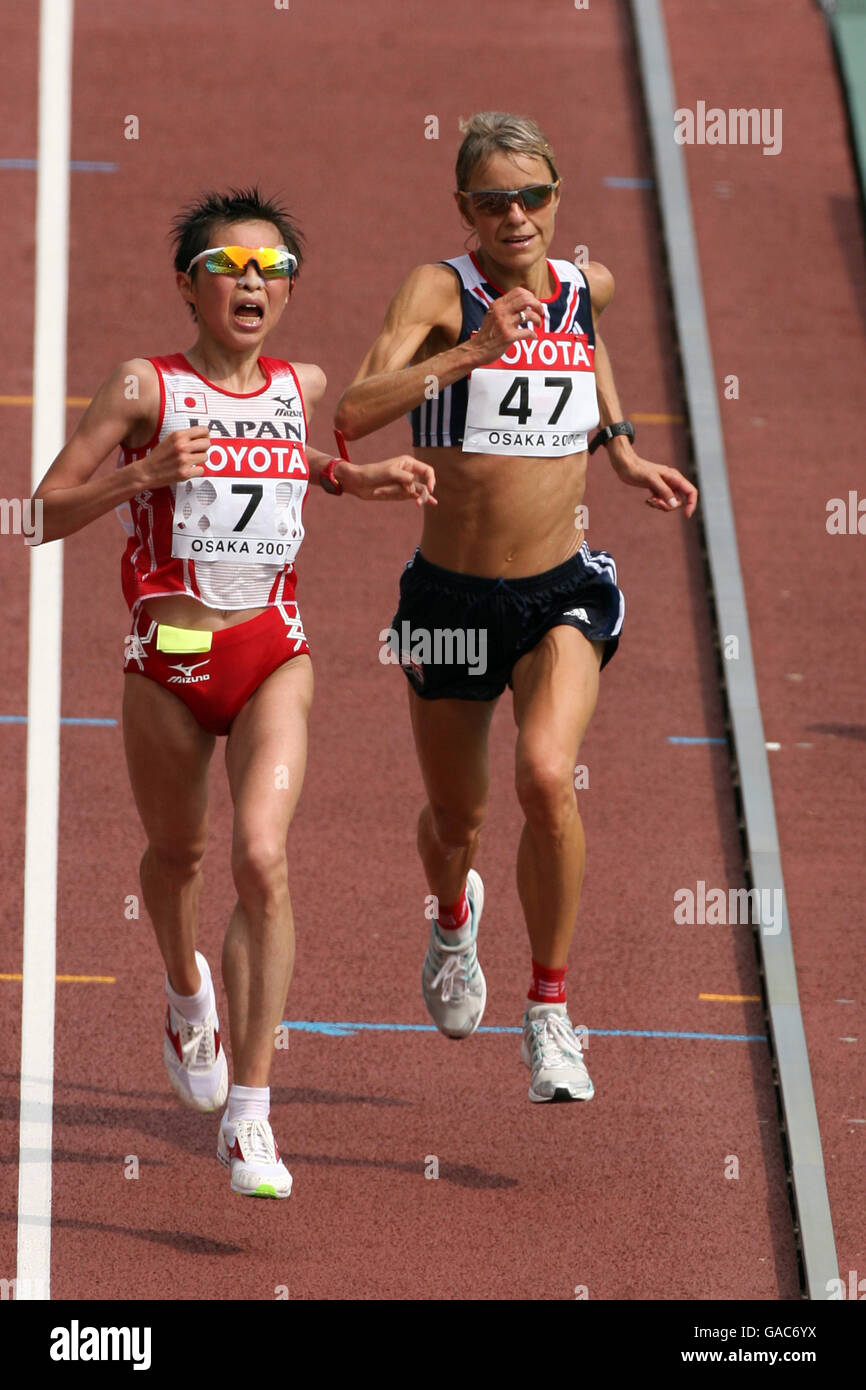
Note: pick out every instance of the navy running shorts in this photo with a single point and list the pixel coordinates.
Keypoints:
(458, 636)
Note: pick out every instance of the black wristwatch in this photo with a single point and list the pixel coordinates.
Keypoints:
(610, 431)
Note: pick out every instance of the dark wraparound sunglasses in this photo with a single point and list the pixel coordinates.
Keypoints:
(497, 201)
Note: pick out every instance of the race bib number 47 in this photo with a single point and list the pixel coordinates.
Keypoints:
(246, 508)
(538, 398)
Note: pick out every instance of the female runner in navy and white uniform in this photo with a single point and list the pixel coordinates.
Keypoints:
(214, 467)
(497, 357)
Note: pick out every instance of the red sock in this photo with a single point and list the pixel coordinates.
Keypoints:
(548, 985)
(453, 918)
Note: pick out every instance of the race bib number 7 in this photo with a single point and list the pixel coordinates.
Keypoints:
(538, 399)
(243, 509)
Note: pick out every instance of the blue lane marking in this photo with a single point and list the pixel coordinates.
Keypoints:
(347, 1030)
(94, 723)
(85, 166)
(615, 182)
(675, 739)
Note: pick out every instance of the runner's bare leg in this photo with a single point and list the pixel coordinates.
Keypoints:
(168, 755)
(555, 692)
(266, 754)
(451, 742)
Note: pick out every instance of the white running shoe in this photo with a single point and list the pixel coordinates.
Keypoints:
(452, 980)
(551, 1049)
(194, 1056)
(249, 1149)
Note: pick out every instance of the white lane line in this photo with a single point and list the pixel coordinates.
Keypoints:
(43, 675)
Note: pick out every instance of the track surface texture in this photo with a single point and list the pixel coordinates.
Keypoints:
(626, 1197)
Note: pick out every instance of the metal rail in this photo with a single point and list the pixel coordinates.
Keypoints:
(764, 866)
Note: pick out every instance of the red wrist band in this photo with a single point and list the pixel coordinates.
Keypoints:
(327, 479)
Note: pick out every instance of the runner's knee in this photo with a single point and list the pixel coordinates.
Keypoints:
(456, 829)
(260, 871)
(545, 790)
(174, 859)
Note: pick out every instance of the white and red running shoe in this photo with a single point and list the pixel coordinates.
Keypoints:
(452, 981)
(194, 1056)
(551, 1049)
(249, 1150)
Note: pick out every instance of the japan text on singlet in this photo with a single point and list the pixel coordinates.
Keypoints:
(539, 397)
(228, 538)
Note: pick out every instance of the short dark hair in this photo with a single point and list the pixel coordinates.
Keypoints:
(192, 227)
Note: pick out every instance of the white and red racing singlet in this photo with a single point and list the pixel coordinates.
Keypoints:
(228, 538)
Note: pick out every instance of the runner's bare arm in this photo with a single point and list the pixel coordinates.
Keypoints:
(669, 488)
(391, 480)
(313, 383)
(388, 480)
(70, 495)
(390, 381)
(385, 385)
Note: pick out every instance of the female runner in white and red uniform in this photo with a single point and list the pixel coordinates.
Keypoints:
(509, 340)
(214, 465)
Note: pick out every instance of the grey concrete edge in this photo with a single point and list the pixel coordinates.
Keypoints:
(817, 1243)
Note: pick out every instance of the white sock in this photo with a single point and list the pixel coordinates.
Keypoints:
(548, 1008)
(194, 1007)
(249, 1103)
(458, 936)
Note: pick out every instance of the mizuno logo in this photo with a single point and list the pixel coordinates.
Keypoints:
(188, 670)
(186, 677)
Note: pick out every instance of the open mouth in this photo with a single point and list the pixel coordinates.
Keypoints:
(249, 313)
(518, 240)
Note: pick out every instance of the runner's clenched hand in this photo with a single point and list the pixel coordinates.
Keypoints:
(180, 455)
(502, 324)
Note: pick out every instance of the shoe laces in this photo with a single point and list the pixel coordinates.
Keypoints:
(205, 1055)
(256, 1141)
(196, 1041)
(552, 1036)
(453, 975)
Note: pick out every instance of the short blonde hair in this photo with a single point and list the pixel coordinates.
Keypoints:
(490, 131)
